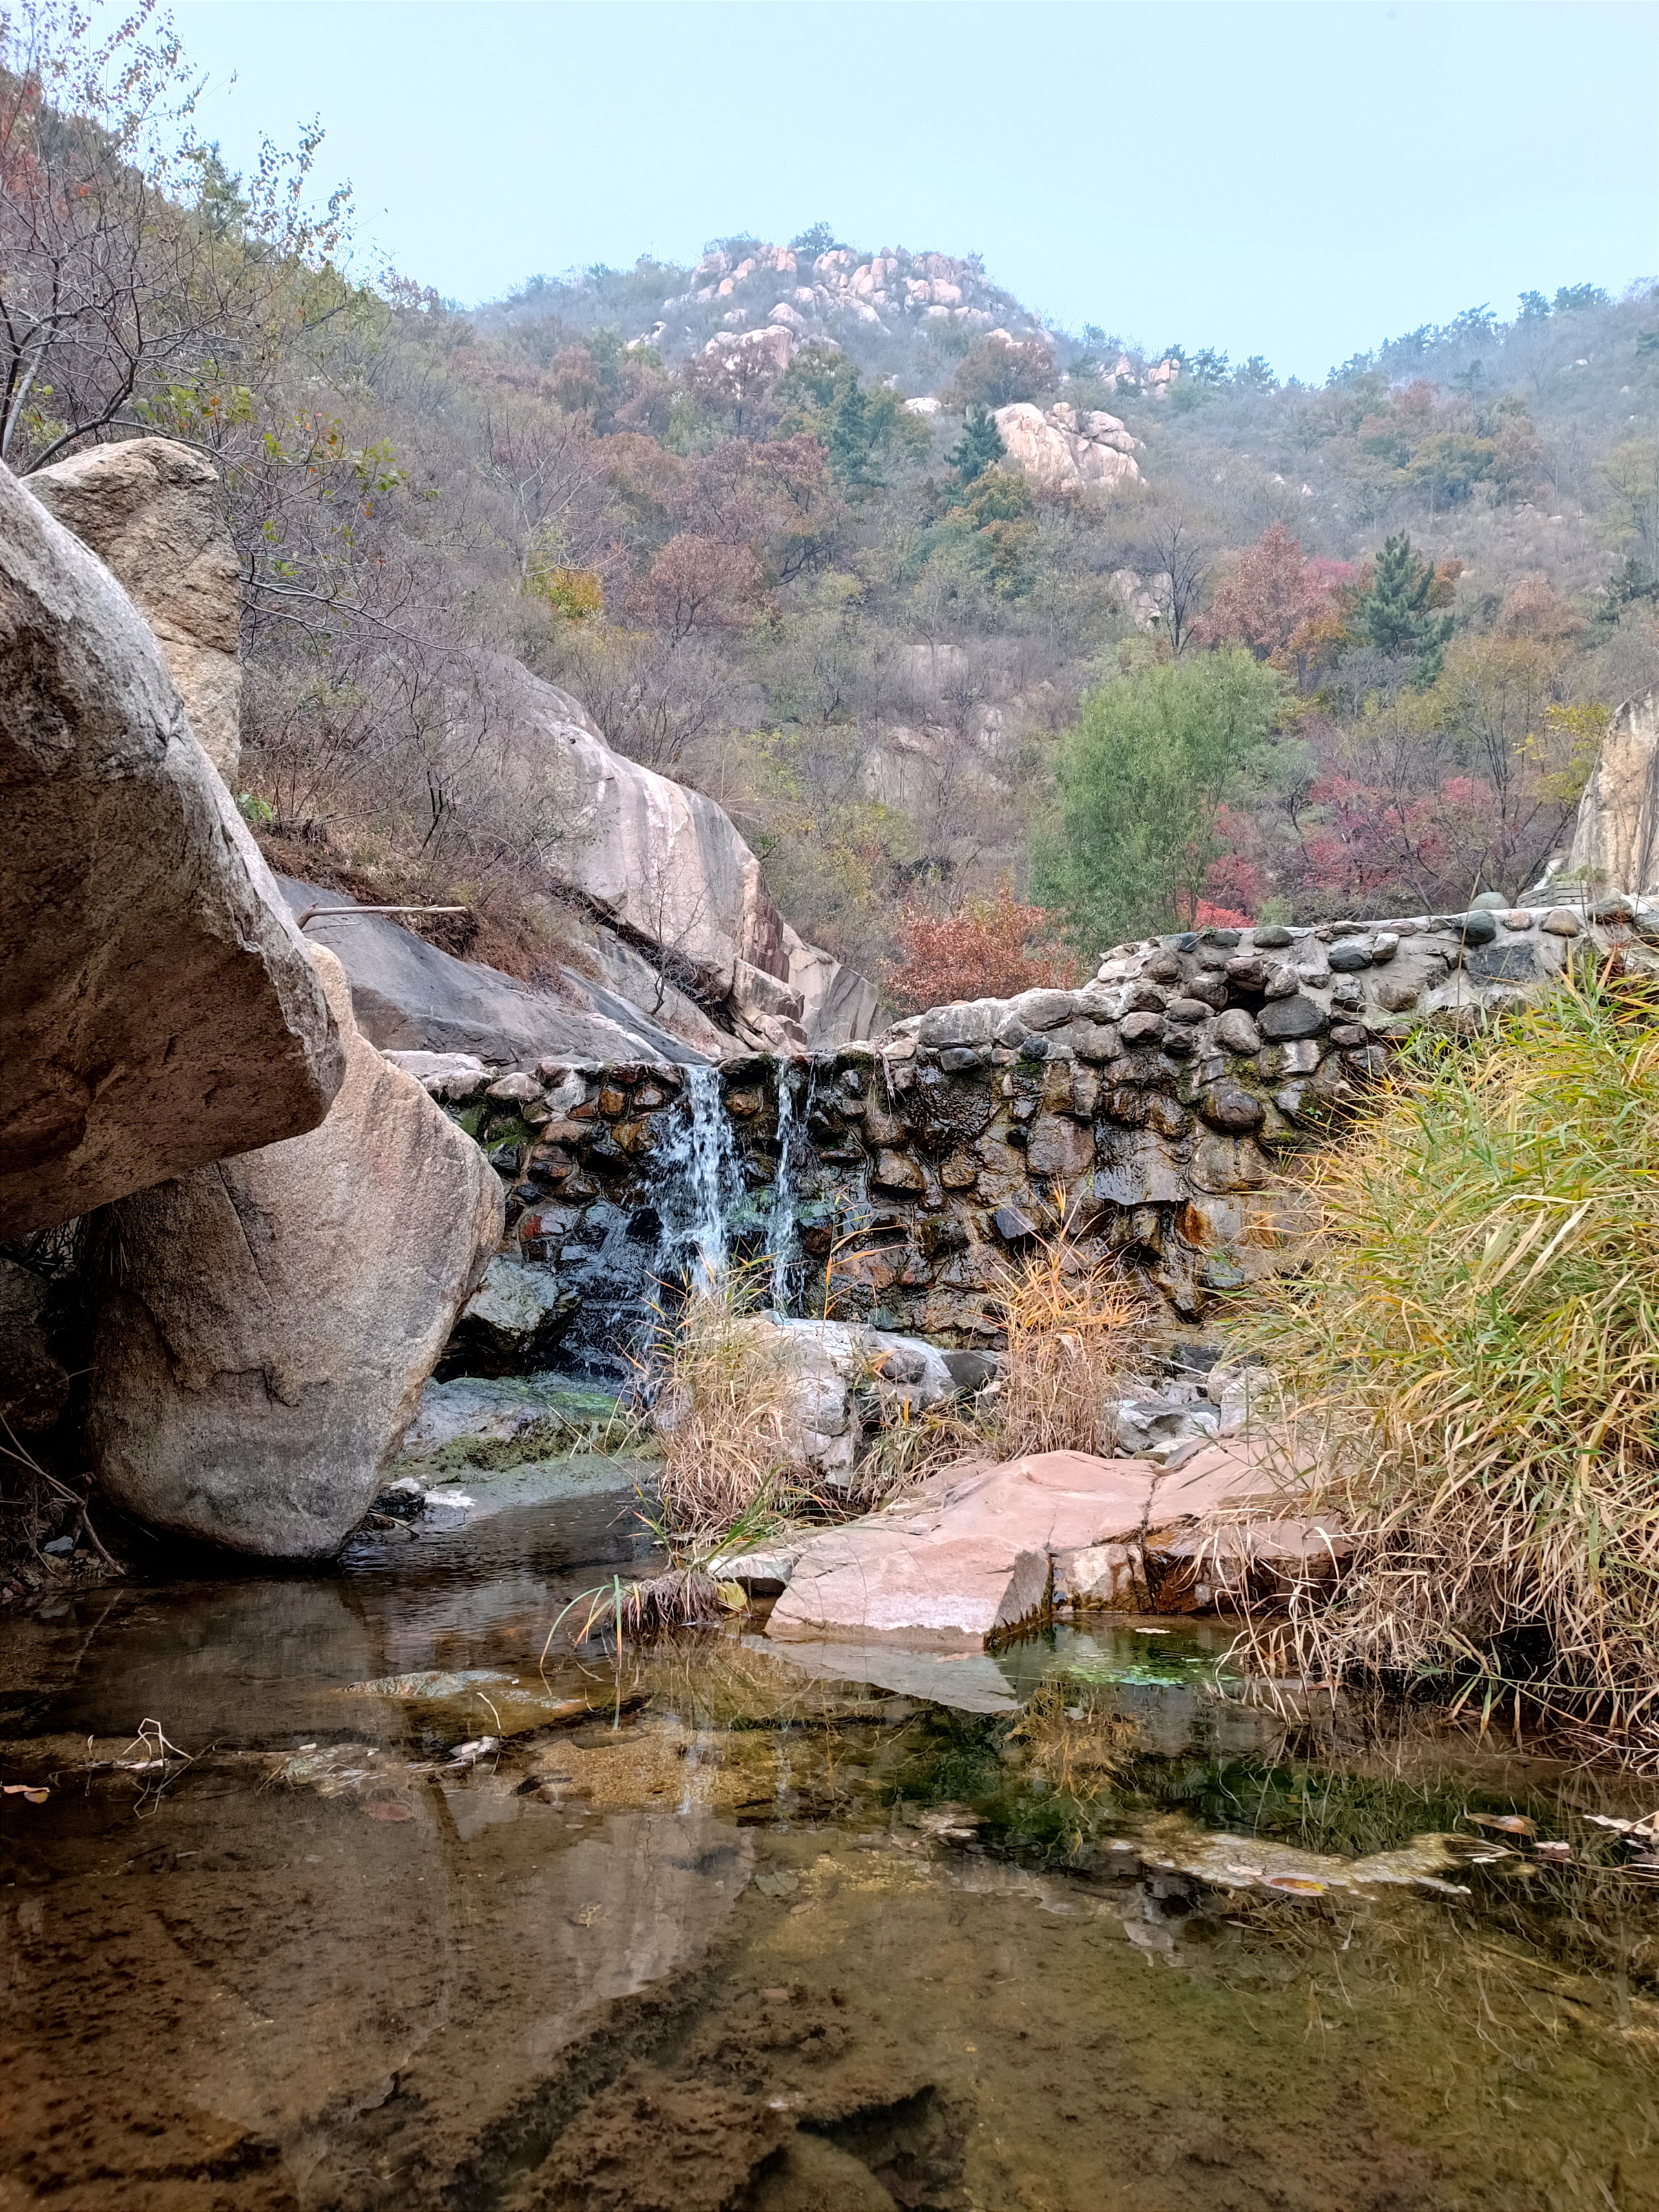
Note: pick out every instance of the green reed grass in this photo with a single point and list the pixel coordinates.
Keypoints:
(1470, 1360)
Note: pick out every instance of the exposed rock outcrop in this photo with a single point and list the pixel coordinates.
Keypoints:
(149, 508)
(1615, 844)
(158, 1010)
(263, 1327)
(666, 869)
(1062, 448)
(409, 996)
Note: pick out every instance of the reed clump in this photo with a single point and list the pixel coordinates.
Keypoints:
(1075, 1328)
(721, 1386)
(1469, 1359)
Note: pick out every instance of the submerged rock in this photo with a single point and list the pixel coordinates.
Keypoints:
(262, 1326)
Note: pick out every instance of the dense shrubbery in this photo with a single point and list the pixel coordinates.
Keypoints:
(1472, 1357)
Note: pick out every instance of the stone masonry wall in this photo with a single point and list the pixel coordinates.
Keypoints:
(1163, 1099)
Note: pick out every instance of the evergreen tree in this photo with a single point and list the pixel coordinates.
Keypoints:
(979, 447)
(1397, 613)
(852, 435)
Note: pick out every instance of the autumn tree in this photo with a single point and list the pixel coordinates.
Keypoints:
(1274, 602)
(698, 583)
(130, 261)
(988, 945)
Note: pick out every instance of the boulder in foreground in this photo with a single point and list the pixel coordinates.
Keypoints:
(264, 1326)
(159, 1009)
(977, 1548)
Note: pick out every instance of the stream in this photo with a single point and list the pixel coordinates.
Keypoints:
(341, 1894)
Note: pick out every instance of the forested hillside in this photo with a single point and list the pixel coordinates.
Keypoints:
(1174, 634)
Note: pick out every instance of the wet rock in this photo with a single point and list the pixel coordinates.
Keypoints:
(513, 1320)
(160, 1010)
(1060, 1147)
(263, 1327)
(1228, 1106)
(895, 1170)
(1282, 1019)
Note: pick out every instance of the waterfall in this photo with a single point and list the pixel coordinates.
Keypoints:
(783, 1233)
(700, 1178)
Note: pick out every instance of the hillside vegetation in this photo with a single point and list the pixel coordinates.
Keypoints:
(760, 517)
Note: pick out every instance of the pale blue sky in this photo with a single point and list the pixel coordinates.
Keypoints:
(1298, 180)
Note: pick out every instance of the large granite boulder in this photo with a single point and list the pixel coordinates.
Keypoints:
(263, 1327)
(668, 868)
(1061, 448)
(1615, 844)
(159, 1009)
(150, 508)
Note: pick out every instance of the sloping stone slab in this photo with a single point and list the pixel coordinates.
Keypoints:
(410, 996)
(158, 1010)
(968, 1555)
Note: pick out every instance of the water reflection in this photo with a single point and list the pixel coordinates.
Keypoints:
(419, 1922)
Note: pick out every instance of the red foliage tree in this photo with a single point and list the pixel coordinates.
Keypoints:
(989, 946)
(698, 583)
(1283, 607)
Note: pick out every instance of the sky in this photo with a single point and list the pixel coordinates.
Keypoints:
(1294, 180)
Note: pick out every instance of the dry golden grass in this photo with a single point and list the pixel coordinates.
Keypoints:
(1471, 1357)
(721, 1387)
(1075, 1329)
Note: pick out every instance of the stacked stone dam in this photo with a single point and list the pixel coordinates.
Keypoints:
(899, 1176)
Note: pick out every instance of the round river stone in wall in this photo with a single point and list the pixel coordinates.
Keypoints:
(1283, 1019)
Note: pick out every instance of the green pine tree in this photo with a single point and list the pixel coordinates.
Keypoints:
(979, 447)
(852, 436)
(1397, 613)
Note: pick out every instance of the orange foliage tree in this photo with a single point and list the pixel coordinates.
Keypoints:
(988, 946)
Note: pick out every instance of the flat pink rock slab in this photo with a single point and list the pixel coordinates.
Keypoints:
(975, 1549)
